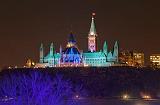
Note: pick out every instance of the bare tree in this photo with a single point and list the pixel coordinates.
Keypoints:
(36, 88)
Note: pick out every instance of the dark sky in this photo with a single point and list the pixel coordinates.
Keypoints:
(24, 24)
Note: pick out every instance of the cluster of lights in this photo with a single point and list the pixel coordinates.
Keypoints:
(70, 44)
(15, 67)
(144, 96)
(6, 98)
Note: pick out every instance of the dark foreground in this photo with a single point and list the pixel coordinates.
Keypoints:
(108, 102)
(119, 102)
(86, 86)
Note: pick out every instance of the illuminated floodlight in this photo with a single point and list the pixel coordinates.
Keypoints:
(92, 33)
(125, 97)
(146, 97)
(33, 63)
(77, 97)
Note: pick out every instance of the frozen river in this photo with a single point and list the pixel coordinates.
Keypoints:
(109, 102)
(118, 102)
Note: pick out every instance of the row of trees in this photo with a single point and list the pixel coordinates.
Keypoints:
(115, 81)
(33, 87)
(55, 86)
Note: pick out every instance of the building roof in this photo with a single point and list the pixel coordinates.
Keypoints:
(92, 28)
(71, 50)
(71, 38)
(93, 54)
(56, 55)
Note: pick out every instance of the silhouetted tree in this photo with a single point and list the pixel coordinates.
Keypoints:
(36, 88)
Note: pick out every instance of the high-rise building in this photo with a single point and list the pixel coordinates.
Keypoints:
(126, 58)
(155, 60)
(131, 58)
(138, 59)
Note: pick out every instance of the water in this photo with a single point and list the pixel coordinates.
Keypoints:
(118, 102)
(108, 102)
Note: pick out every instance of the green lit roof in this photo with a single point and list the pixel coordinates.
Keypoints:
(93, 54)
(92, 28)
(57, 55)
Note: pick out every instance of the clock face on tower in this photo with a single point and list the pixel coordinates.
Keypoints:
(92, 41)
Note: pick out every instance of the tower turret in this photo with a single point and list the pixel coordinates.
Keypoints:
(115, 53)
(71, 40)
(41, 53)
(110, 56)
(51, 49)
(92, 36)
(105, 48)
(60, 49)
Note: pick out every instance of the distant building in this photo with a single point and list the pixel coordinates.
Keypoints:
(126, 58)
(30, 63)
(72, 56)
(131, 58)
(138, 59)
(155, 60)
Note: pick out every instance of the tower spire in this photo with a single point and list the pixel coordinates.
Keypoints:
(92, 28)
(41, 53)
(105, 48)
(71, 40)
(92, 36)
(115, 52)
(51, 49)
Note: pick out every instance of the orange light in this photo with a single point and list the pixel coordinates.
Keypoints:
(125, 97)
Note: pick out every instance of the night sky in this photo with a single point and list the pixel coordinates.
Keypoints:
(24, 24)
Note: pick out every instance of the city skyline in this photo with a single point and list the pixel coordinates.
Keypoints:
(24, 25)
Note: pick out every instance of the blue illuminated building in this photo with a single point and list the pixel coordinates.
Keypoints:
(72, 56)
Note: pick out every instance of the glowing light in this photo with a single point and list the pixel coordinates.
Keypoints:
(146, 97)
(92, 33)
(77, 96)
(93, 14)
(33, 63)
(125, 97)
(70, 44)
(86, 65)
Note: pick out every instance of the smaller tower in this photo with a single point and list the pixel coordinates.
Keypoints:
(110, 57)
(92, 36)
(51, 49)
(71, 40)
(105, 48)
(60, 49)
(115, 53)
(41, 53)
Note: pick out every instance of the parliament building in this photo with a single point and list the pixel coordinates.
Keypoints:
(71, 56)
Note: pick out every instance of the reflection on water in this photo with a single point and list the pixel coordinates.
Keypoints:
(141, 103)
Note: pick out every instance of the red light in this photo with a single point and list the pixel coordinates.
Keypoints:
(93, 14)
